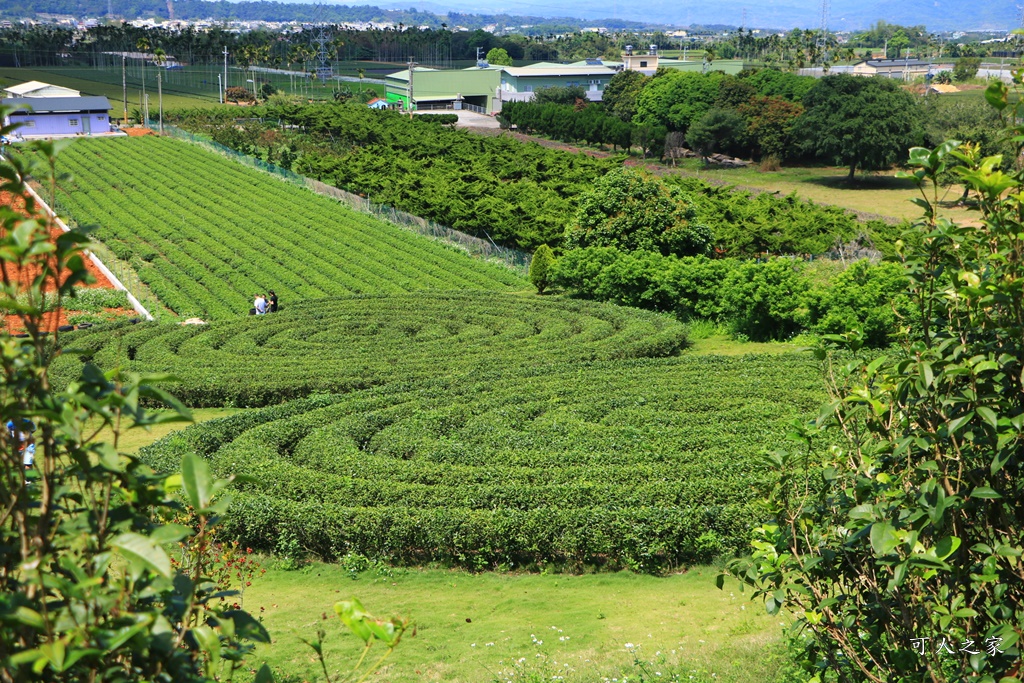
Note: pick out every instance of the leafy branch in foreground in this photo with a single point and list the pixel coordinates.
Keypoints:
(899, 552)
(88, 591)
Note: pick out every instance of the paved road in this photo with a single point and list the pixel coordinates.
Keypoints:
(467, 119)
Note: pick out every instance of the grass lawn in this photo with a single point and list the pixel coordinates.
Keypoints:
(475, 627)
(881, 194)
(134, 439)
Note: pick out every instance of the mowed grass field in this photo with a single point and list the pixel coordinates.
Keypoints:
(880, 194)
(475, 628)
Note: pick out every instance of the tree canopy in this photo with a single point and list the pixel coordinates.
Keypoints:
(498, 56)
(865, 123)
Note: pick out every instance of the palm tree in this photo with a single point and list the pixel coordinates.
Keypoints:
(159, 57)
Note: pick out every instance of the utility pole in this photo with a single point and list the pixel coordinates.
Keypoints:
(220, 89)
(412, 67)
(225, 91)
(124, 86)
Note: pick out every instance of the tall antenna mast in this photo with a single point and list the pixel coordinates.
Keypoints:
(823, 33)
(322, 38)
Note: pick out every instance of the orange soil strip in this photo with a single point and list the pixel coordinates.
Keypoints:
(24, 276)
(138, 132)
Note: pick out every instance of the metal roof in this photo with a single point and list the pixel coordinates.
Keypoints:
(33, 86)
(558, 70)
(54, 105)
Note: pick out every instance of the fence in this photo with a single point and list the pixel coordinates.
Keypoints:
(514, 259)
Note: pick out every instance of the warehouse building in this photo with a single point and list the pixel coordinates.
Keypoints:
(50, 116)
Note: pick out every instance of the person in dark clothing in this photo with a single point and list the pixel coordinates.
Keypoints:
(273, 302)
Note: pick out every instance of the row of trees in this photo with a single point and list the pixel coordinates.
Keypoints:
(860, 123)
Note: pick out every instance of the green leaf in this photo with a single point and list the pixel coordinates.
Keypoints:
(247, 627)
(197, 481)
(965, 612)
(988, 415)
(996, 94)
(946, 547)
(143, 553)
(209, 642)
(264, 675)
(985, 492)
(883, 538)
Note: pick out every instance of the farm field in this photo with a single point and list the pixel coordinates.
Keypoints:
(364, 341)
(645, 464)
(880, 194)
(206, 234)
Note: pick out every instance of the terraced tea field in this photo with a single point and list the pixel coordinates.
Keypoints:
(207, 234)
(349, 343)
(644, 464)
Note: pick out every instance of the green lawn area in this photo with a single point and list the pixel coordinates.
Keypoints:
(475, 627)
(134, 439)
(875, 193)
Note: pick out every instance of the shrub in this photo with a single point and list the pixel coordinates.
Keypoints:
(540, 268)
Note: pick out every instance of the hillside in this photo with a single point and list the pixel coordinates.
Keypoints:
(207, 234)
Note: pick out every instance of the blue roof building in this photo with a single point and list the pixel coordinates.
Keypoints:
(49, 116)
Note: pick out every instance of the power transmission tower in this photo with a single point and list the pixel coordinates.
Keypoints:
(823, 34)
(321, 39)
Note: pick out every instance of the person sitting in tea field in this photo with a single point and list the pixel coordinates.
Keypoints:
(273, 302)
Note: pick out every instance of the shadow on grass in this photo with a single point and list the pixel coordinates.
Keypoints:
(861, 182)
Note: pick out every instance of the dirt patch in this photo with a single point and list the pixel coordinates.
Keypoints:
(138, 132)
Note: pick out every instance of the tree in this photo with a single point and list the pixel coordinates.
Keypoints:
(541, 267)
(966, 68)
(770, 122)
(557, 94)
(498, 56)
(620, 94)
(675, 99)
(635, 212)
(718, 129)
(898, 546)
(858, 122)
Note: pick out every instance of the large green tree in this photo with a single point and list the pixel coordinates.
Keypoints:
(675, 99)
(620, 94)
(498, 56)
(857, 122)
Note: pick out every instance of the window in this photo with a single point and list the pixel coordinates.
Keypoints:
(527, 88)
(30, 124)
(72, 122)
(643, 64)
(101, 117)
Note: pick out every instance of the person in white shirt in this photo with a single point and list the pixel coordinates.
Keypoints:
(260, 304)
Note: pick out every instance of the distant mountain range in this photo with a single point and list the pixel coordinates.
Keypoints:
(936, 15)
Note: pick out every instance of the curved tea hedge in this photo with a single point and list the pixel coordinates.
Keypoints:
(344, 344)
(640, 463)
(207, 234)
